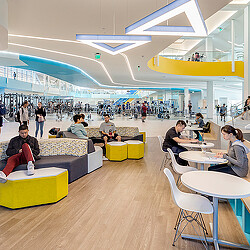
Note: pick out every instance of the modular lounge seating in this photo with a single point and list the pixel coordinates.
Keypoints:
(70, 154)
(94, 152)
(126, 133)
(47, 185)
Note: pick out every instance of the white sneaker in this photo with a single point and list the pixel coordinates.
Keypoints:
(30, 168)
(104, 158)
(3, 177)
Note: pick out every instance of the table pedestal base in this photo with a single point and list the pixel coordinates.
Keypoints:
(216, 242)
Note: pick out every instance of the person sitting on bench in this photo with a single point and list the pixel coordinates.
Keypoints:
(22, 149)
(108, 130)
(77, 128)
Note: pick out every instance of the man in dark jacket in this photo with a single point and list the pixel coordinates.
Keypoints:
(22, 149)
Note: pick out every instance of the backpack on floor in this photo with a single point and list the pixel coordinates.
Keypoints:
(206, 128)
(54, 131)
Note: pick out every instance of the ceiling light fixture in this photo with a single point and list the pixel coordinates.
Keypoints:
(125, 42)
(240, 2)
(149, 24)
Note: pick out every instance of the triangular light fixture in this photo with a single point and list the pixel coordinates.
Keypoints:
(125, 42)
(148, 25)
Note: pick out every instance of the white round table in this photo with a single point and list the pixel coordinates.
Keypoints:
(192, 128)
(201, 157)
(197, 145)
(218, 185)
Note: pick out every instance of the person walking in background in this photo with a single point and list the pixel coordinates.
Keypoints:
(246, 107)
(223, 111)
(24, 113)
(190, 108)
(40, 118)
(144, 112)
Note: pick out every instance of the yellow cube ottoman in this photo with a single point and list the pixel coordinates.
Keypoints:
(47, 185)
(52, 136)
(135, 149)
(144, 136)
(116, 151)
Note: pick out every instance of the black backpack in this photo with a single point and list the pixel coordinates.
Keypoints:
(206, 128)
(54, 131)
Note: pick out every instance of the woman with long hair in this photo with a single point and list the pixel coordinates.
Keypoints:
(40, 118)
(237, 153)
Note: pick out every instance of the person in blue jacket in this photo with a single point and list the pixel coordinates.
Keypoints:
(200, 122)
(77, 128)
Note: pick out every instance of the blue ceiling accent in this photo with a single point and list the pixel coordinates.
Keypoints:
(55, 69)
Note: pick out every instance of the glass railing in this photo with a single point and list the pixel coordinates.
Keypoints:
(203, 56)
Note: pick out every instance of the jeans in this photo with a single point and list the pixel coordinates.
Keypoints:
(176, 151)
(223, 168)
(39, 124)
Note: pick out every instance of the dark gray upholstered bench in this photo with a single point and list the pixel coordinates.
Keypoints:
(70, 154)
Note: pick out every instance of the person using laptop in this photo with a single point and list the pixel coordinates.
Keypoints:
(237, 153)
(173, 138)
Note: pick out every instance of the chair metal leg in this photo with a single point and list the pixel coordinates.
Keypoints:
(177, 220)
(189, 218)
(178, 181)
(203, 223)
(164, 162)
(178, 226)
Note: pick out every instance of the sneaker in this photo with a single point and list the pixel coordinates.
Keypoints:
(3, 177)
(105, 158)
(30, 168)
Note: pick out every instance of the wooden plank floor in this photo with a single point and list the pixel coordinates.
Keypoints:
(124, 205)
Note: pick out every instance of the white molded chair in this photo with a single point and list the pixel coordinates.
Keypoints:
(179, 169)
(166, 154)
(192, 206)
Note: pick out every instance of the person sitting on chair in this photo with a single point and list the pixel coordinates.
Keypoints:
(173, 137)
(237, 153)
(108, 130)
(22, 149)
(198, 121)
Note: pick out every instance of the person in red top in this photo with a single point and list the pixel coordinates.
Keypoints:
(144, 112)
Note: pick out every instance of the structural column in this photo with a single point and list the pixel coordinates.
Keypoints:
(232, 44)
(246, 52)
(3, 24)
(186, 100)
(210, 99)
(209, 49)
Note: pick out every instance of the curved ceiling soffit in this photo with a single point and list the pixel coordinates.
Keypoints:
(122, 85)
